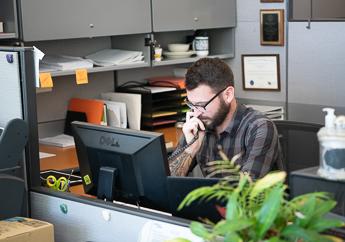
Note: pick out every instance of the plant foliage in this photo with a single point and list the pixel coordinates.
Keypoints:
(260, 211)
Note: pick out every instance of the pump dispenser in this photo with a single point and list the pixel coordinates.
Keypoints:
(332, 146)
(329, 118)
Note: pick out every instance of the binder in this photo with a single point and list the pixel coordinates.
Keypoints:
(73, 116)
(92, 108)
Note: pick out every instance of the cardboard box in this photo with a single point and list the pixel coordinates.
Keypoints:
(19, 229)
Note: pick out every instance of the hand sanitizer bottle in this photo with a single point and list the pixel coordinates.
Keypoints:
(332, 146)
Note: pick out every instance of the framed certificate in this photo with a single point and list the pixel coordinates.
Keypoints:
(272, 27)
(261, 72)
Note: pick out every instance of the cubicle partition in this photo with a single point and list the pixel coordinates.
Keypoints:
(75, 218)
(82, 219)
(17, 101)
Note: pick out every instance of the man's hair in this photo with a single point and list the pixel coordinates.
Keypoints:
(212, 72)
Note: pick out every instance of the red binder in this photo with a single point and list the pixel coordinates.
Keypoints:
(92, 108)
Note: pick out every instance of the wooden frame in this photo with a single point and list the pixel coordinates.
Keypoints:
(272, 27)
(261, 72)
(271, 1)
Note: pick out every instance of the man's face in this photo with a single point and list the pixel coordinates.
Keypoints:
(215, 112)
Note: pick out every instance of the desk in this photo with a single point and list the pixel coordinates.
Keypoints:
(66, 158)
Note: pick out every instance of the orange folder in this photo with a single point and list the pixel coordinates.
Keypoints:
(93, 109)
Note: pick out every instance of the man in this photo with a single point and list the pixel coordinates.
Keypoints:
(218, 120)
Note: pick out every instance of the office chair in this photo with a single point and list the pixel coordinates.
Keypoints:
(13, 139)
(299, 143)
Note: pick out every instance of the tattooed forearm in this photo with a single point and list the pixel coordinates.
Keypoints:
(180, 165)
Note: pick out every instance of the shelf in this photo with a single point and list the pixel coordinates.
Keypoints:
(101, 69)
(188, 60)
(7, 35)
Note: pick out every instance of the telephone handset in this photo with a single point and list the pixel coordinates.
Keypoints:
(181, 149)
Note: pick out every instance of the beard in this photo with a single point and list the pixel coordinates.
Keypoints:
(218, 118)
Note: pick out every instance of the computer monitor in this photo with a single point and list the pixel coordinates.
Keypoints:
(178, 189)
(122, 164)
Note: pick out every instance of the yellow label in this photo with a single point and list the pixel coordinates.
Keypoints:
(87, 180)
(46, 80)
(81, 76)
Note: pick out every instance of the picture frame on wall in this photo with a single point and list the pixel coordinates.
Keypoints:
(272, 1)
(261, 72)
(272, 27)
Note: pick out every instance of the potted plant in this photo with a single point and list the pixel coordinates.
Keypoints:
(260, 211)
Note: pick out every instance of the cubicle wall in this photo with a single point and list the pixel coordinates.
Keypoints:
(316, 69)
(18, 100)
(84, 220)
(10, 91)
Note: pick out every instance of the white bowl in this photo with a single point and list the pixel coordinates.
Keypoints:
(178, 47)
(177, 54)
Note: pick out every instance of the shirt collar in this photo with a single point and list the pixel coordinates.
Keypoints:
(236, 118)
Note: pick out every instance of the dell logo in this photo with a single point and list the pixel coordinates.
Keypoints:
(109, 141)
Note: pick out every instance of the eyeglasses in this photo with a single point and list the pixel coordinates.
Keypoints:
(202, 108)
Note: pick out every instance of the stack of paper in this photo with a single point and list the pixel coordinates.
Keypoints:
(62, 63)
(61, 140)
(133, 106)
(116, 114)
(272, 112)
(110, 57)
(152, 89)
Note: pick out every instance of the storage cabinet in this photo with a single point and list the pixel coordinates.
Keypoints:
(317, 10)
(64, 27)
(8, 15)
(175, 15)
(65, 19)
(221, 44)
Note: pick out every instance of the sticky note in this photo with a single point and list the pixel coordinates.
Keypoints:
(81, 76)
(46, 80)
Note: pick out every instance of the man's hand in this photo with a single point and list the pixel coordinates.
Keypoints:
(192, 127)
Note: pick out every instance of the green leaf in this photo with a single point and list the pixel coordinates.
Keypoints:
(323, 224)
(267, 181)
(223, 227)
(233, 209)
(307, 210)
(300, 200)
(323, 207)
(232, 237)
(294, 232)
(177, 240)
(199, 230)
(274, 239)
(269, 211)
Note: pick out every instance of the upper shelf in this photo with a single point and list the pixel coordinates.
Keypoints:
(101, 69)
(8, 35)
(188, 60)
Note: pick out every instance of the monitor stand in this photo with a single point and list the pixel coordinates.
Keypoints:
(107, 183)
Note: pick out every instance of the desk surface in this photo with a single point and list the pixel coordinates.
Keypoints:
(66, 158)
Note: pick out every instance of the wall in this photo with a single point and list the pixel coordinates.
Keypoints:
(316, 68)
(52, 106)
(316, 63)
(248, 42)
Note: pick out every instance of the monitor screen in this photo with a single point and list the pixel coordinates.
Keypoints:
(122, 164)
(178, 189)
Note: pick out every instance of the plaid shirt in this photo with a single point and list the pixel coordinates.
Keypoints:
(251, 133)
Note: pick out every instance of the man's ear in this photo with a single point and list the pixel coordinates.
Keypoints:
(229, 94)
